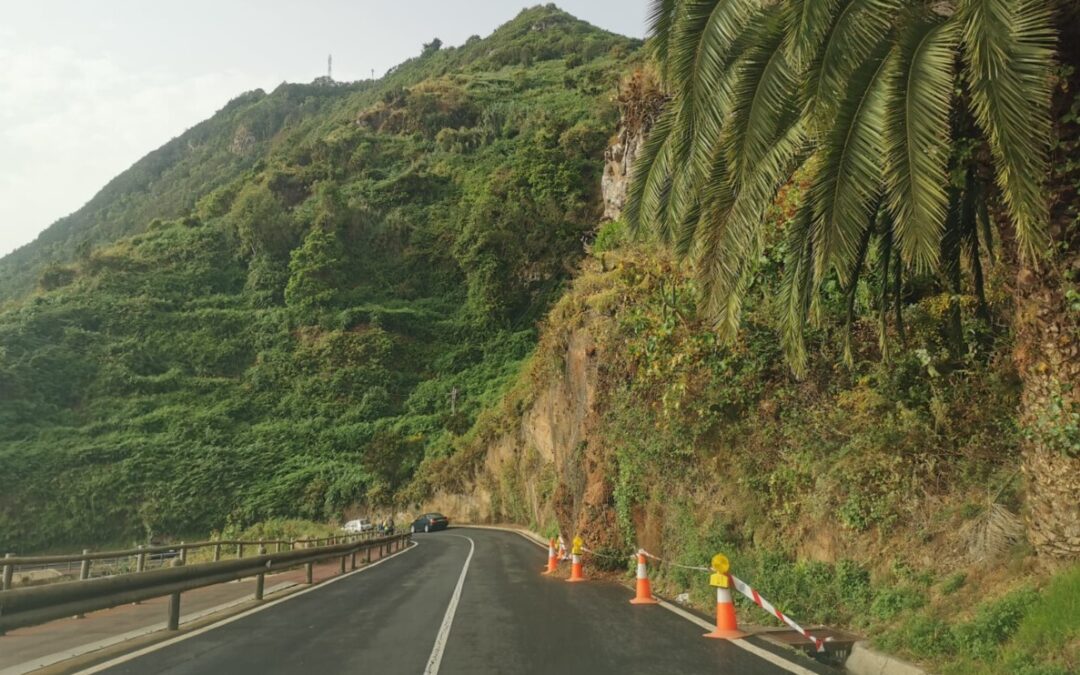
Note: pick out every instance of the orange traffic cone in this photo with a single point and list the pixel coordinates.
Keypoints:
(644, 588)
(575, 568)
(553, 558)
(726, 626)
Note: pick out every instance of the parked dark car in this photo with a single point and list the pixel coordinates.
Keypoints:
(429, 522)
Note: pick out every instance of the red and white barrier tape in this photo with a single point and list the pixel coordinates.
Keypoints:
(671, 564)
(744, 588)
(740, 586)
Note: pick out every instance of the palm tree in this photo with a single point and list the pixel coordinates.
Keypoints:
(865, 99)
(905, 119)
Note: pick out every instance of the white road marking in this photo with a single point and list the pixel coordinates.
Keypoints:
(180, 638)
(764, 654)
(448, 619)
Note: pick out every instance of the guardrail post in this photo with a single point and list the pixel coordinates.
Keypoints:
(84, 573)
(217, 552)
(260, 579)
(343, 563)
(367, 555)
(308, 573)
(174, 601)
(183, 554)
(239, 551)
(174, 611)
(9, 570)
(353, 560)
(140, 564)
(292, 544)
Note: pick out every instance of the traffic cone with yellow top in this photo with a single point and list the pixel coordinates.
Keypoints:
(644, 588)
(553, 558)
(575, 560)
(726, 625)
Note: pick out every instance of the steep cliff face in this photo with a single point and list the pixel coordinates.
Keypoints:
(640, 101)
(542, 470)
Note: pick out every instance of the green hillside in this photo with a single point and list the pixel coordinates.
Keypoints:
(283, 311)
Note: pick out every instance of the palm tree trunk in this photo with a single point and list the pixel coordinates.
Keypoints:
(1047, 346)
(1047, 354)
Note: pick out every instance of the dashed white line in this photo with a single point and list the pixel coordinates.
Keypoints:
(448, 619)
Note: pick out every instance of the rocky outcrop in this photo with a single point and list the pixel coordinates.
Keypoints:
(544, 470)
(243, 141)
(640, 102)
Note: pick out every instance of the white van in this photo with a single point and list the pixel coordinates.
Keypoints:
(357, 526)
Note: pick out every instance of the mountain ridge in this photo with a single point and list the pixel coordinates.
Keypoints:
(157, 184)
(358, 274)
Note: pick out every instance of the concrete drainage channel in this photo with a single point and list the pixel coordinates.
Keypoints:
(842, 649)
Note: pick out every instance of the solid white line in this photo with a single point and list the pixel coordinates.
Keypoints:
(448, 619)
(180, 638)
(765, 654)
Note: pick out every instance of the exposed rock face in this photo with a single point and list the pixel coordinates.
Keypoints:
(640, 103)
(618, 161)
(243, 141)
(546, 460)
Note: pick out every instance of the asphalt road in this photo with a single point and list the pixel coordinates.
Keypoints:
(507, 619)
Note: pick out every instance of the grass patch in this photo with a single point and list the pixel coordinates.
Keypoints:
(1026, 631)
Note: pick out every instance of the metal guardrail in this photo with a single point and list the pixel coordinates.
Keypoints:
(140, 558)
(20, 607)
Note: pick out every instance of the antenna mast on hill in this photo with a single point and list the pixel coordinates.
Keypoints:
(330, 66)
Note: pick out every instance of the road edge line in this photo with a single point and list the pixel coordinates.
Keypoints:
(764, 654)
(441, 638)
(236, 617)
(56, 658)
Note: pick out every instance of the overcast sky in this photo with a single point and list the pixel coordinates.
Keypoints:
(87, 88)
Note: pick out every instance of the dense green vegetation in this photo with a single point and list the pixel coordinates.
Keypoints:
(283, 311)
(907, 122)
(881, 497)
(328, 296)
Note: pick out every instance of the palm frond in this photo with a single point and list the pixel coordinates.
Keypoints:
(796, 289)
(660, 20)
(764, 100)
(917, 136)
(651, 173)
(709, 60)
(852, 285)
(808, 24)
(731, 246)
(1008, 50)
(704, 30)
(849, 175)
(857, 33)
